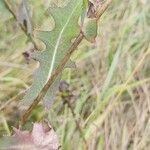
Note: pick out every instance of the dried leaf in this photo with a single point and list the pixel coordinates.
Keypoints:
(91, 11)
(38, 139)
(24, 16)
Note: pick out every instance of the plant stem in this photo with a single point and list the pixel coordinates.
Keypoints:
(60, 68)
(102, 9)
(66, 100)
(29, 36)
(52, 79)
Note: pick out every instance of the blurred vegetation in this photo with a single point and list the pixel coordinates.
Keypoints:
(107, 99)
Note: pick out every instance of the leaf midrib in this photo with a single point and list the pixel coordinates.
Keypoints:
(58, 41)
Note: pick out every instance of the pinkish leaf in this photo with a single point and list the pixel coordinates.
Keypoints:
(39, 139)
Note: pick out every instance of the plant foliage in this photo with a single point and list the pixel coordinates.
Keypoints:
(57, 42)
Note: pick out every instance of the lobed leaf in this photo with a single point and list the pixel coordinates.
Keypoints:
(57, 42)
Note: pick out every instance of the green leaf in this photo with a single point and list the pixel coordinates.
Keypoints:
(57, 42)
(85, 3)
(90, 29)
(49, 98)
(84, 11)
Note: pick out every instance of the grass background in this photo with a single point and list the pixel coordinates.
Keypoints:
(108, 92)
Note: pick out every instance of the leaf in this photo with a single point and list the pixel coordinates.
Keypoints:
(39, 138)
(24, 16)
(57, 42)
(89, 21)
(90, 29)
(91, 11)
(84, 11)
(49, 98)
